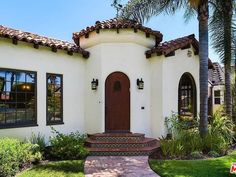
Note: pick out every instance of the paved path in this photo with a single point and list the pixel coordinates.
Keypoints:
(118, 166)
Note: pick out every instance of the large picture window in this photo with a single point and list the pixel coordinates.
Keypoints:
(187, 96)
(54, 99)
(17, 98)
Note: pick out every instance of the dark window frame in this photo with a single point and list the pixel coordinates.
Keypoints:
(19, 124)
(217, 97)
(61, 101)
(193, 94)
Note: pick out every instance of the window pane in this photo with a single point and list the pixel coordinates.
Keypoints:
(17, 99)
(217, 93)
(217, 100)
(54, 98)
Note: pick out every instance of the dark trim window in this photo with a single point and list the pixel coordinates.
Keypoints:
(18, 98)
(187, 96)
(54, 99)
(217, 97)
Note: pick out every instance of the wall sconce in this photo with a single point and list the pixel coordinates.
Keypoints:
(189, 53)
(140, 84)
(94, 84)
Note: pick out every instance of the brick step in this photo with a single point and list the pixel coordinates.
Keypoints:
(146, 142)
(117, 137)
(122, 151)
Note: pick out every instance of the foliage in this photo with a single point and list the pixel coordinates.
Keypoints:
(213, 154)
(69, 146)
(217, 167)
(14, 154)
(186, 140)
(72, 168)
(196, 155)
(39, 140)
(221, 133)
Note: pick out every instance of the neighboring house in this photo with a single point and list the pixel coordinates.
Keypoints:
(216, 88)
(118, 76)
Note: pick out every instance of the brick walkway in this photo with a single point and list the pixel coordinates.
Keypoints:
(118, 166)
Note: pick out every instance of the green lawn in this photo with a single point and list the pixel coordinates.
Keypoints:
(69, 168)
(218, 167)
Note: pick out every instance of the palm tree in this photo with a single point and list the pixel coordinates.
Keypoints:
(221, 35)
(142, 10)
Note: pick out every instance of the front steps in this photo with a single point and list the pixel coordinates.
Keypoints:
(121, 144)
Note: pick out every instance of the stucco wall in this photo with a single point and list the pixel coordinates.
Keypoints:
(166, 74)
(221, 88)
(108, 57)
(174, 67)
(23, 56)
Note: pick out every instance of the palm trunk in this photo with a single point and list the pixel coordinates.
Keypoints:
(234, 87)
(203, 55)
(227, 55)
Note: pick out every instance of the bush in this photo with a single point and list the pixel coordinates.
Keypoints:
(220, 134)
(68, 147)
(196, 155)
(14, 154)
(213, 154)
(39, 140)
(186, 138)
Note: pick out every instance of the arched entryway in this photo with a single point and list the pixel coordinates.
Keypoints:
(187, 99)
(117, 103)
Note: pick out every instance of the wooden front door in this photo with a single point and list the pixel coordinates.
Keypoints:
(117, 103)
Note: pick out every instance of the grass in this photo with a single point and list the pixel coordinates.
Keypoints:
(69, 168)
(218, 167)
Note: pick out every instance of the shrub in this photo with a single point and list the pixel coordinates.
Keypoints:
(220, 134)
(186, 138)
(68, 147)
(196, 155)
(14, 154)
(39, 140)
(213, 154)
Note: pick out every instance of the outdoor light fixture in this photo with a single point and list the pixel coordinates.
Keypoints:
(94, 84)
(140, 84)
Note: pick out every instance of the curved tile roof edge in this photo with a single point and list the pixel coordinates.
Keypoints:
(168, 47)
(18, 35)
(117, 23)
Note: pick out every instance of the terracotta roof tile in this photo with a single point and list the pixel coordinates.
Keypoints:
(116, 23)
(166, 48)
(10, 33)
(216, 74)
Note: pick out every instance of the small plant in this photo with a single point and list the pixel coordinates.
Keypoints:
(213, 154)
(68, 147)
(39, 140)
(196, 155)
(15, 154)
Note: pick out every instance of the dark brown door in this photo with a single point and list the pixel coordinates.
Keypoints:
(117, 103)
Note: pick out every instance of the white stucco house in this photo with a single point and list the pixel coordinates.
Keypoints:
(118, 76)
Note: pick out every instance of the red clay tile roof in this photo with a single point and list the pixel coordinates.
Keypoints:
(166, 48)
(117, 23)
(35, 39)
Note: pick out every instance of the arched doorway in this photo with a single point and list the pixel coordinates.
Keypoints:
(187, 99)
(117, 103)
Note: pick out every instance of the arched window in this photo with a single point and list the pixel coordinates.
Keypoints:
(187, 101)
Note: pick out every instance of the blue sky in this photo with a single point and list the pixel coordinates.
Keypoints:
(60, 18)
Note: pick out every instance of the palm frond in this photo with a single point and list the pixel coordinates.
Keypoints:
(143, 10)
